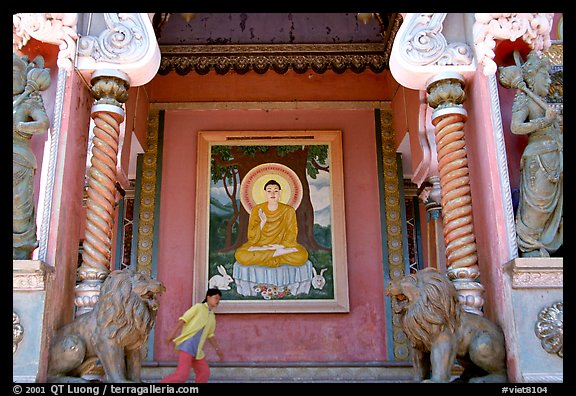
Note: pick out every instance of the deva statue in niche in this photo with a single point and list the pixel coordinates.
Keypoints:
(29, 118)
(539, 218)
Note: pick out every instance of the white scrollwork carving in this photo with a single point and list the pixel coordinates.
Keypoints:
(425, 44)
(124, 41)
(53, 28)
(533, 28)
(28, 282)
(537, 279)
(456, 54)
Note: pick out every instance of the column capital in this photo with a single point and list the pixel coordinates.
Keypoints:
(110, 88)
(446, 95)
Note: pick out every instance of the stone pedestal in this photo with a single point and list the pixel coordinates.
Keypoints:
(30, 278)
(533, 322)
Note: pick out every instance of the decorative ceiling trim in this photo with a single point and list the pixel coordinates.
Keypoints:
(277, 57)
(533, 28)
(274, 105)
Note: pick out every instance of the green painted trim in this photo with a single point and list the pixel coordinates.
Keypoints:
(405, 251)
(136, 217)
(417, 225)
(154, 263)
(159, 154)
(119, 235)
(383, 228)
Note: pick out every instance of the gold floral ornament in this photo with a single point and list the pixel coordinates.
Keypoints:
(550, 329)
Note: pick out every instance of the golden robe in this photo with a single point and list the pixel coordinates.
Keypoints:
(280, 228)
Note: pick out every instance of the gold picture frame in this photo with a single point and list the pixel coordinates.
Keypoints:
(225, 159)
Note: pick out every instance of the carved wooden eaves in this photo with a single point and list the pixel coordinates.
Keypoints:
(279, 58)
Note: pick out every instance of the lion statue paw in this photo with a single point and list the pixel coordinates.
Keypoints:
(114, 333)
(441, 331)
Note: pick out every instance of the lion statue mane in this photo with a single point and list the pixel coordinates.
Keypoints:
(114, 332)
(441, 331)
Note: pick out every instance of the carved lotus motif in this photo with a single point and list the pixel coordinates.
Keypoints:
(550, 329)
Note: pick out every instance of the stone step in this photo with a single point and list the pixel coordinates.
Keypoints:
(284, 372)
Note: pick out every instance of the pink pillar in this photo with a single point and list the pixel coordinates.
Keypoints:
(110, 87)
(446, 95)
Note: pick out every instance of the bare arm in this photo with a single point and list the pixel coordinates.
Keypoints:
(175, 331)
(216, 347)
(34, 119)
(523, 122)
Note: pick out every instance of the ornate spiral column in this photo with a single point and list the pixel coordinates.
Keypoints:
(446, 95)
(110, 88)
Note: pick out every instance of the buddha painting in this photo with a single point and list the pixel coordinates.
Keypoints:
(272, 257)
(270, 229)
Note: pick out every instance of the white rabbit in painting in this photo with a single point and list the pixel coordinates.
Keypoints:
(318, 281)
(221, 281)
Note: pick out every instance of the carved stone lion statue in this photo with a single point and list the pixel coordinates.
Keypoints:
(115, 331)
(441, 331)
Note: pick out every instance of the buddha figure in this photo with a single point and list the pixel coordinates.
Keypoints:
(272, 254)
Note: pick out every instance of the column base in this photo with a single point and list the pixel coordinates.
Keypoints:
(30, 278)
(534, 300)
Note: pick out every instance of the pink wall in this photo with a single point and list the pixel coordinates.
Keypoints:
(406, 109)
(355, 336)
(67, 218)
(136, 121)
(272, 86)
(487, 194)
(557, 32)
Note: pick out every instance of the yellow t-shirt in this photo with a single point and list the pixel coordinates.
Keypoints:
(196, 318)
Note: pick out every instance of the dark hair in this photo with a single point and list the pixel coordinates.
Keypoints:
(272, 182)
(212, 292)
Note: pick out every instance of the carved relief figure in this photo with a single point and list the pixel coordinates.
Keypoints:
(115, 331)
(539, 218)
(29, 118)
(440, 330)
